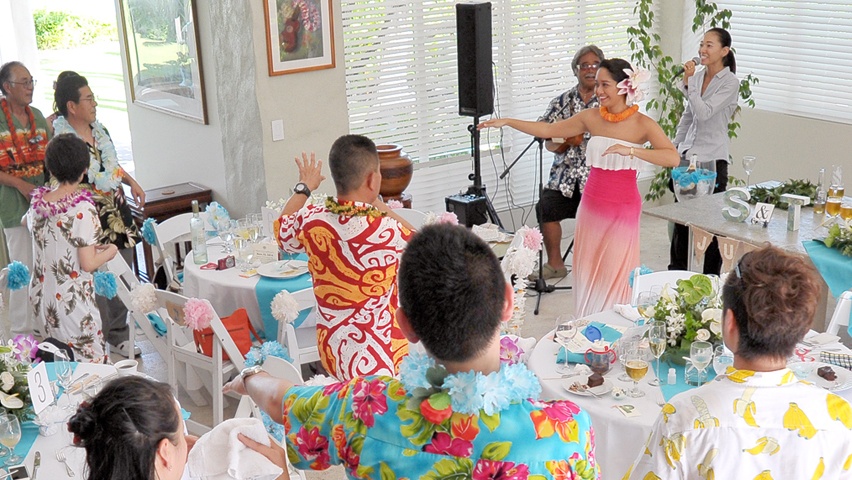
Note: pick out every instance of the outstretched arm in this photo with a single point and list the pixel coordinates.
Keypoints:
(310, 173)
(567, 128)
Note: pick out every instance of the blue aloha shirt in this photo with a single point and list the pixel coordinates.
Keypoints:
(569, 167)
(372, 427)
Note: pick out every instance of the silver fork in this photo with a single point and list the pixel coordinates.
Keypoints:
(60, 455)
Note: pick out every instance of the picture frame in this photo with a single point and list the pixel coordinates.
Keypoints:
(299, 35)
(163, 57)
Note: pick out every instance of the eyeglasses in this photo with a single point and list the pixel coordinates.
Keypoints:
(90, 99)
(28, 83)
(589, 66)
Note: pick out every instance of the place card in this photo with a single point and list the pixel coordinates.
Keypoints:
(266, 252)
(627, 410)
(41, 391)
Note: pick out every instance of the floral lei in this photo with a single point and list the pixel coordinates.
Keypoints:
(110, 178)
(466, 392)
(47, 209)
(34, 139)
(351, 210)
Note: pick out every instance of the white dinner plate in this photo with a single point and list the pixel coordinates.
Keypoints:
(843, 382)
(602, 389)
(283, 269)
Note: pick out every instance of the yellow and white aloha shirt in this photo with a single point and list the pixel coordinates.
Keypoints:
(750, 425)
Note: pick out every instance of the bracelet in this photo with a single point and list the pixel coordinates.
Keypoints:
(631, 153)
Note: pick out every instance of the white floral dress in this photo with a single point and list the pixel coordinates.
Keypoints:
(62, 294)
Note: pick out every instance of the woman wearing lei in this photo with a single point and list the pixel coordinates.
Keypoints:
(606, 239)
(76, 105)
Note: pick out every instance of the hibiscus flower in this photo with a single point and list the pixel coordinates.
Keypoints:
(496, 470)
(443, 444)
(313, 446)
(368, 399)
(557, 418)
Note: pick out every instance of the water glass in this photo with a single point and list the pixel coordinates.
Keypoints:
(657, 339)
(566, 329)
(645, 304)
(10, 435)
(701, 353)
(722, 359)
(748, 167)
(226, 234)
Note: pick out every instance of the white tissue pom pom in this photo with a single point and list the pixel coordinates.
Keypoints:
(285, 308)
(143, 299)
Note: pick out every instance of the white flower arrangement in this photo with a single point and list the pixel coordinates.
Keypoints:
(143, 299)
(284, 306)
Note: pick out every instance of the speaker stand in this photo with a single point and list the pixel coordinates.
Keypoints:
(478, 188)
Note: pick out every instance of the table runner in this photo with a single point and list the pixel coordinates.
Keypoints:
(835, 268)
(267, 288)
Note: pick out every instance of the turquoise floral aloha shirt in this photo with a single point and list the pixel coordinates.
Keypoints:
(376, 429)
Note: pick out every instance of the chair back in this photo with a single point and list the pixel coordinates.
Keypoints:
(841, 313)
(301, 342)
(415, 217)
(171, 234)
(280, 368)
(126, 281)
(642, 283)
(5, 322)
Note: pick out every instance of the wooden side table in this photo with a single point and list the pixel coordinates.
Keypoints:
(162, 203)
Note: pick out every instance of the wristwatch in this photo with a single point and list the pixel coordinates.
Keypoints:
(249, 371)
(303, 189)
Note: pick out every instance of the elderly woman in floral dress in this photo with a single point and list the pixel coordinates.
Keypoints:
(76, 105)
(66, 250)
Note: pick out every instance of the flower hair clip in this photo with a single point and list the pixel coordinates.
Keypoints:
(632, 85)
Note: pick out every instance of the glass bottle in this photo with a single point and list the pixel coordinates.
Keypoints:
(835, 192)
(198, 236)
(819, 199)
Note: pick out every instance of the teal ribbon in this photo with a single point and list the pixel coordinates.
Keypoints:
(267, 288)
(608, 334)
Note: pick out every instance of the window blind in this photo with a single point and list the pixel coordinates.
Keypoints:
(801, 50)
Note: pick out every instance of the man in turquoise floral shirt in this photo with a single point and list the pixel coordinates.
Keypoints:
(457, 412)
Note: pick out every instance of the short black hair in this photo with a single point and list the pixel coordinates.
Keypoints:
(66, 157)
(615, 67)
(351, 159)
(67, 89)
(123, 425)
(6, 74)
(773, 297)
(452, 290)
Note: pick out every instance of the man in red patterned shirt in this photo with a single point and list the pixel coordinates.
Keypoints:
(354, 242)
(23, 139)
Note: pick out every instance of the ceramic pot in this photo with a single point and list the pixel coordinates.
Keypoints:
(397, 168)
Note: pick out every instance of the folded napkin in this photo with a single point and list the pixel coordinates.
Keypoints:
(220, 455)
(627, 311)
(821, 339)
(608, 334)
(840, 359)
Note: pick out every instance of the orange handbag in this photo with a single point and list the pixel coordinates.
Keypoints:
(240, 329)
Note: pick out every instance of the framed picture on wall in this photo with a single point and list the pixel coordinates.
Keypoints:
(163, 57)
(299, 35)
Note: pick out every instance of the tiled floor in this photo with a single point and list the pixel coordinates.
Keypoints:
(654, 254)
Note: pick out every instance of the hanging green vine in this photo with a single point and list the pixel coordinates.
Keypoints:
(670, 101)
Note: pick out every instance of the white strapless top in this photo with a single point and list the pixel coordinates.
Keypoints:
(612, 161)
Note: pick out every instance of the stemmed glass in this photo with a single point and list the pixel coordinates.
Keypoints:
(256, 233)
(10, 435)
(701, 353)
(636, 367)
(226, 233)
(722, 359)
(624, 348)
(566, 329)
(748, 167)
(64, 371)
(645, 304)
(657, 339)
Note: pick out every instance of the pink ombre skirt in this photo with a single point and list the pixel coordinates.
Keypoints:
(606, 240)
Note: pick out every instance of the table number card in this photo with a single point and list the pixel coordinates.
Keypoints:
(41, 391)
(268, 216)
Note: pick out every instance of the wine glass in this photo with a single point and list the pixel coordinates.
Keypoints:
(243, 252)
(636, 367)
(566, 329)
(10, 435)
(748, 167)
(645, 305)
(624, 348)
(226, 233)
(64, 371)
(257, 219)
(722, 359)
(701, 353)
(657, 339)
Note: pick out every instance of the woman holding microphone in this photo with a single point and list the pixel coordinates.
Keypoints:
(703, 129)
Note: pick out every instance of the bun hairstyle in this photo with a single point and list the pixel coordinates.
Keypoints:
(616, 67)
(122, 426)
(730, 60)
(67, 89)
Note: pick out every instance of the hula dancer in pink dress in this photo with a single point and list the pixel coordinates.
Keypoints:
(606, 239)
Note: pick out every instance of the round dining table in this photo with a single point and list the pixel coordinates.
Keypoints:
(619, 435)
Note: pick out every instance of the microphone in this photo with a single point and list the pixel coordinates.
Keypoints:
(680, 69)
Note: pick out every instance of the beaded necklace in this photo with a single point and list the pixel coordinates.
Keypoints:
(617, 117)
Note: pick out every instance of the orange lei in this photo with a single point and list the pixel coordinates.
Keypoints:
(19, 149)
(617, 117)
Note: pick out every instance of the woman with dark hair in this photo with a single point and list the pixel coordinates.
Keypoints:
(606, 239)
(703, 128)
(733, 427)
(65, 229)
(77, 108)
(131, 430)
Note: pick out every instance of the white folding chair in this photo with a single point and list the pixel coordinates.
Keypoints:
(170, 308)
(414, 217)
(5, 321)
(841, 313)
(171, 234)
(642, 283)
(301, 342)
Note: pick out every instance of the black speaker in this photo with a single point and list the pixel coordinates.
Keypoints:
(470, 209)
(473, 31)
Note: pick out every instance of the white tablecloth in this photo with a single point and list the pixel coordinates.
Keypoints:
(619, 439)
